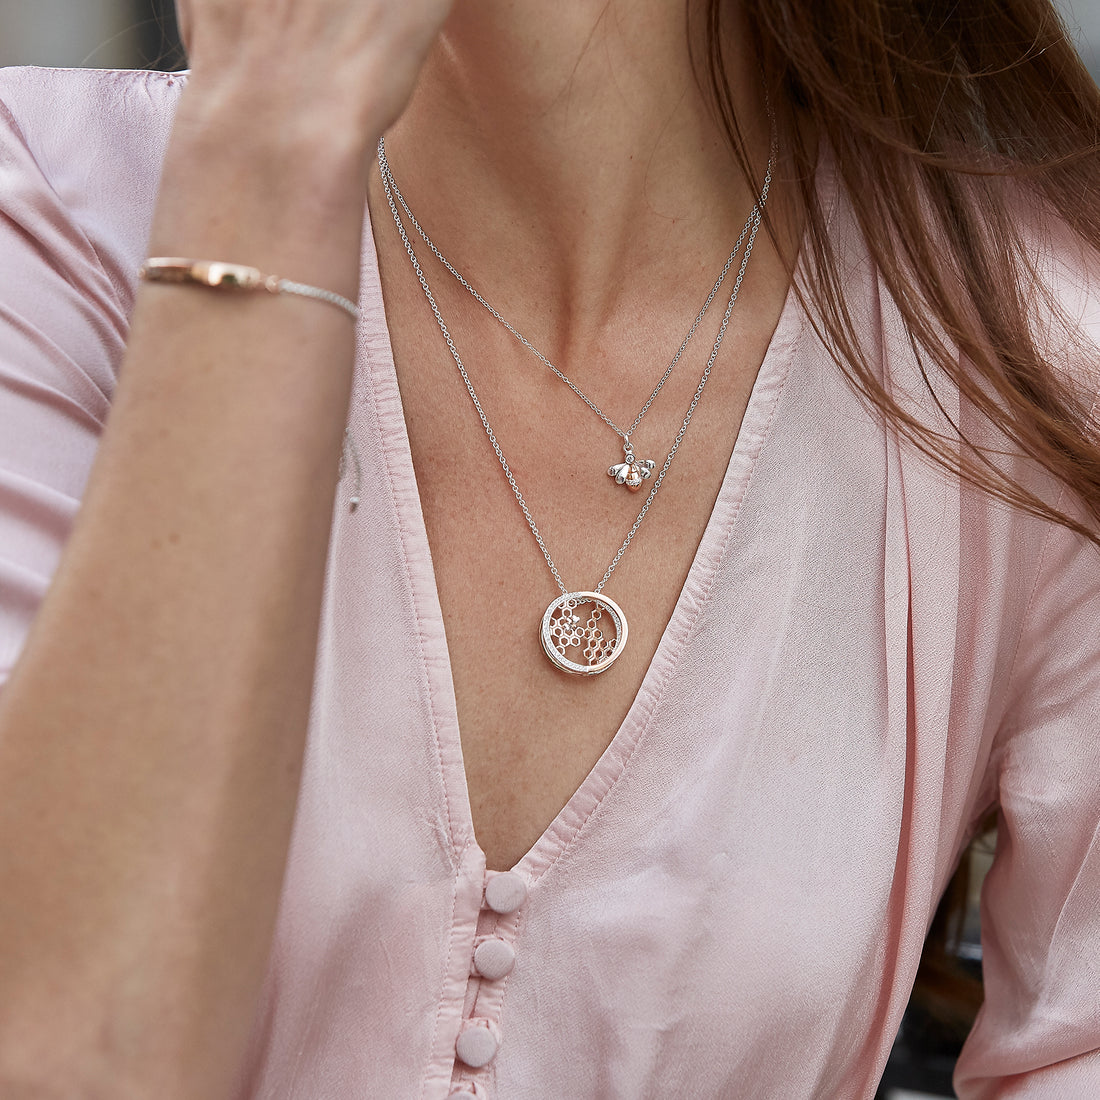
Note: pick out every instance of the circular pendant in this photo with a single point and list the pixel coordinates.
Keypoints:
(583, 633)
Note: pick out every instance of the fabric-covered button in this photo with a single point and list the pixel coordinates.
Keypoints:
(506, 892)
(476, 1044)
(494, 959)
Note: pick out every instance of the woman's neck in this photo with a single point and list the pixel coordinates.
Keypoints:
(565, 154)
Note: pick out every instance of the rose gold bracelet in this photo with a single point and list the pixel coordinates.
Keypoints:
(223, 276)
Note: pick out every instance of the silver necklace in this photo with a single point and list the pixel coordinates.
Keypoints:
(582, 632)
(631, 472)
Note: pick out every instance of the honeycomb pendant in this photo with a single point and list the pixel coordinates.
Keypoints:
(583, 633)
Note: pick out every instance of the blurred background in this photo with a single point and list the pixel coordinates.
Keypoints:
(143, 34)
(106, 34)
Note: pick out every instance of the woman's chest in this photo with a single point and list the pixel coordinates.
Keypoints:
(530, 732)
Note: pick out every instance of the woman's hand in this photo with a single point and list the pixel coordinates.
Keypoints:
(329, 63)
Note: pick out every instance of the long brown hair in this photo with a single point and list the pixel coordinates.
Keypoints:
(941, 117)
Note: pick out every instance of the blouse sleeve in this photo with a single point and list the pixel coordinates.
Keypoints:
(1038, 1033)
(62, 332)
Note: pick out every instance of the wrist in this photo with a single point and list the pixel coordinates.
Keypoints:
(245, 185)
(276, 128)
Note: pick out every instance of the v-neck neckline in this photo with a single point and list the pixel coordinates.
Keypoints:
(381, 390)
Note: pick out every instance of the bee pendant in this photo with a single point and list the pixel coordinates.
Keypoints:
(632, 471)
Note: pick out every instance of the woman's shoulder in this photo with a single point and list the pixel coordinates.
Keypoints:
(86, 146)
(123, 116)
(1064, 295)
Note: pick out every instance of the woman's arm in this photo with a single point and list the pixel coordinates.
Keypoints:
(1038, 1033)
(151, 733)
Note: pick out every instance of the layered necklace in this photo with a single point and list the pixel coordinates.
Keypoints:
(584, 632)
(631, 472)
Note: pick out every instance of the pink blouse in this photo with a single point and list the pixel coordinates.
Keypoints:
(864, 658)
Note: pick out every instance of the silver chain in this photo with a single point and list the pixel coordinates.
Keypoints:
(753, 225)
(388, 177)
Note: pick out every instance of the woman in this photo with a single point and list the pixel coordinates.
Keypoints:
(706, 870)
